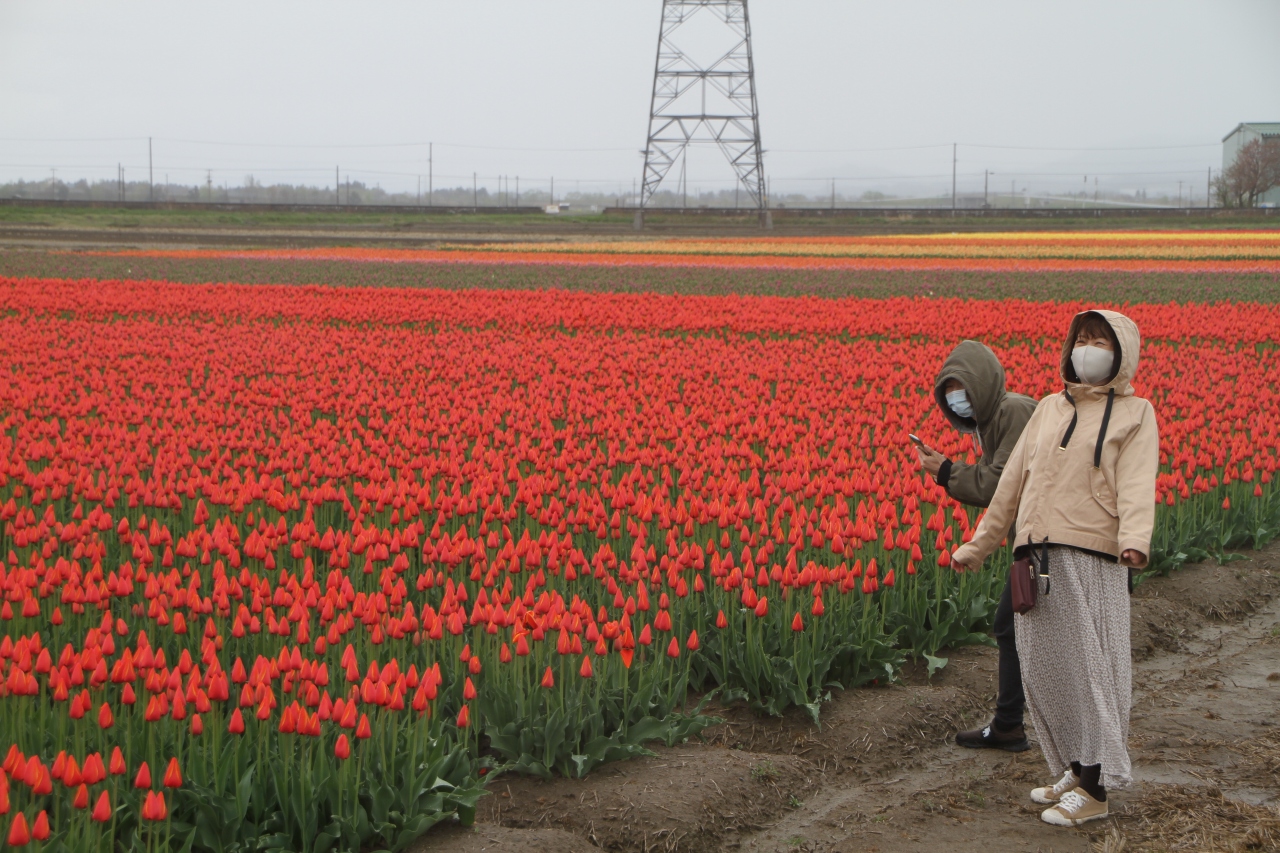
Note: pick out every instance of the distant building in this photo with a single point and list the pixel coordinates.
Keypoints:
(1245, 133)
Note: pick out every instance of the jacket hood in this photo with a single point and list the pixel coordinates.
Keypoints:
(1126, 333)
(976, 367)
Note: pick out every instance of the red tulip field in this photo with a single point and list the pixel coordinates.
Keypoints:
(300, 567)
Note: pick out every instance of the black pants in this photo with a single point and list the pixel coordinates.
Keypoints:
(1010, 701)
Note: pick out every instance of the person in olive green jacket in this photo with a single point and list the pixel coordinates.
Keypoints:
(971, 393)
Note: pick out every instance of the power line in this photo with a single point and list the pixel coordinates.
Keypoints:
(1123, 148)
(323, 146)
(468, 146)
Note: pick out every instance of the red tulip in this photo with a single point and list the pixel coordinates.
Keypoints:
(19, 835)
(153, 807)
(342, 749)
(40, 828)
(102, 809)
(173, 775)
(143, 779)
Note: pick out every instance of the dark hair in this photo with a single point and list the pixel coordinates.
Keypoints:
(1096, 326)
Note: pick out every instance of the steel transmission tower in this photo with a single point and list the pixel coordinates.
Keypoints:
(704, 100)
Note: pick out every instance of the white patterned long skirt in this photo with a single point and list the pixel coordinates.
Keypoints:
(1076, 665)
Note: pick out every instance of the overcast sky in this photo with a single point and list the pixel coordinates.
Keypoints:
(538, 88)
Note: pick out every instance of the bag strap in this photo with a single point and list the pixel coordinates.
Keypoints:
(1043, 561)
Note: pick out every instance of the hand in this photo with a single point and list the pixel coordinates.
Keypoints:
(958, 567)
(930, 459)
(1132, 558)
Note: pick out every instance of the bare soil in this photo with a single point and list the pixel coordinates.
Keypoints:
(881, 772)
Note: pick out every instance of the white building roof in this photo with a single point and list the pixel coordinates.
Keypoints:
(1266, 128)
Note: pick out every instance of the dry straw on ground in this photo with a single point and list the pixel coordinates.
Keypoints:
(1181, 817)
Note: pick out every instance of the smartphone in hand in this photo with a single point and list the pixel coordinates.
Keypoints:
(915, 438)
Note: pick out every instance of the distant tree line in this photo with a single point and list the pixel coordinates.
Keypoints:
(1241, 185)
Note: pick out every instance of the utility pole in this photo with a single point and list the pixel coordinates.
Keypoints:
(553, 190)
(475, 203)
(953, 178)
(337, 187)
(419, 191)
(517, 190)
(985, 177)
(833, 193)
(53, 183)
(1179, 193)
(1095, 190)
(208, 180)
(1208, 187)
(430, 174)
(151, 184)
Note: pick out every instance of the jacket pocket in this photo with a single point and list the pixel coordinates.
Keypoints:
(1102, 492)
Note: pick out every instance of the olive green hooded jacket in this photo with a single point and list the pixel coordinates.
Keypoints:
(998, 418)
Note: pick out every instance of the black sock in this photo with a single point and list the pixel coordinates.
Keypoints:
(1075, 768)
(1091, 782)
(1004, 728)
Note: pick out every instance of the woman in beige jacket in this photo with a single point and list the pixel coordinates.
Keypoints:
(1081, 485)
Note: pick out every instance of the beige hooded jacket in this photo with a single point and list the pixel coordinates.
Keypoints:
(1060, 486)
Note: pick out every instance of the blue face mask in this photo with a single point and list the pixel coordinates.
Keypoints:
(959, 403)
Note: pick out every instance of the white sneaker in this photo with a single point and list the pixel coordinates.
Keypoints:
(1075, 807)
(1050, 794)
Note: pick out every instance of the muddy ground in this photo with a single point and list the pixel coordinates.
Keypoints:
(881, 773)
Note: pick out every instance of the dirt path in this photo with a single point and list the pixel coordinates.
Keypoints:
(881, 773)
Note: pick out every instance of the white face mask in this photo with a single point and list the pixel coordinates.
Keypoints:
(1092, 364)
(959, 403)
